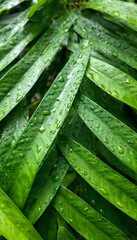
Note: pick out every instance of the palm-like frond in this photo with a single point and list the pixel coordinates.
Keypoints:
(68, 102)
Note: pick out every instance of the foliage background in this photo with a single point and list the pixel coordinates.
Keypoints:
(68, 111)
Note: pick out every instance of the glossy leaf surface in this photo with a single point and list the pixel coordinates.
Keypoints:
(83, 218)
(107, 182)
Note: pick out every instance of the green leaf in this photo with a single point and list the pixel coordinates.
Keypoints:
(45, 186)
(10, 50)
(105, 42)
(8, 4)
(107, 210)
(6, 19)
(69, 178)
(123, 11)
(14, 26)
(47, 225)
(15, 125)
(115, 82)
(13, 224)
(107, 182)
(114, 134)
(83, 218)
(29, 69)
(37, 6)
(64, 234)
(42, 130)
(76, 129)
(120, 31)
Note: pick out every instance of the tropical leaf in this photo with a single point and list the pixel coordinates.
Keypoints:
(13, 224)
(115, 135)
(37, 6)
(8, 4)
(45, 186)
(83, 218)
(33, 64)
(119, 30)
(115, 82)
(110, 184)
(47, 225)
(68, 133)
(13, 129)
(13, 48)
(39, 135)
(107, 210)
(76, 129)
(105, 42)
(64, 234)
(13, 27)
(124, 12)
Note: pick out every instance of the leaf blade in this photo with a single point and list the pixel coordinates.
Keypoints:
(83, 218)
(44, 126)
(107, 182)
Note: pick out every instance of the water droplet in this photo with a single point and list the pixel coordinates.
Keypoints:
(39, 208)
(120, 150)
(104, 191)
(8, 94)
(21, 155)
(61, 79)
(127, 81)
(46, 112)
(120, 204)
(39, 148)
(2, 205)
(55, 86)
(42, 129)
(106, 140)
(18, 98)
(86, 209)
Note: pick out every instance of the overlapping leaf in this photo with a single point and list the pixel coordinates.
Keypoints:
(8, 4)
(76, 129)
(13, 225)
(13, 129)
(115, 135)
(107, 210)
(105, 42)
(124, 12)
(63, 233)
(110, 184)
(15, 24)
(38, 137)
(84, 219)
(45, 186)
(28, 69)
(13, 48)
(47, 225)
(115, 82)
(37, 6)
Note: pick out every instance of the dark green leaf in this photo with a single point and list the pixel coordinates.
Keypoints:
(13, 224)
(28, 70)
(114, 134)
(8, 4)
(84, 219)
(16, 123)
(105, 42)
(124, 12)
(107, 210)
(64, 234)
(42, 130)
(45, 186)
(115, 82)
(107, 182)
